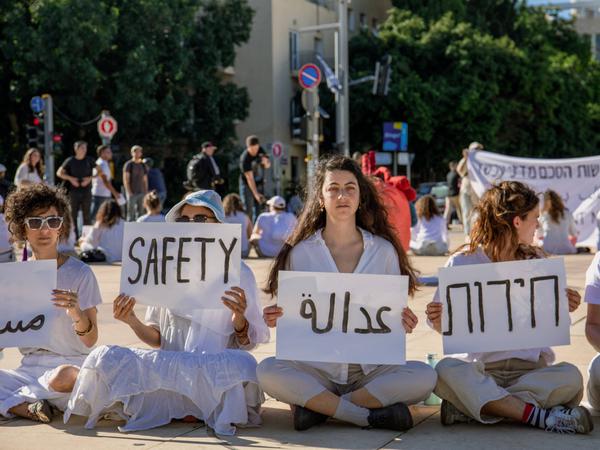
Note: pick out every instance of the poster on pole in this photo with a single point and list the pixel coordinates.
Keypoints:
(181, 266)
(26, 311)
(344, 318)
(504, 306)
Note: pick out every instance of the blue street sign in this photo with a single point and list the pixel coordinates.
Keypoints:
(395, 136)
(37, 104)
(309, 76)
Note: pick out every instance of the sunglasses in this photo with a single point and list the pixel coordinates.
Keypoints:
(36, 223)
(198, 218)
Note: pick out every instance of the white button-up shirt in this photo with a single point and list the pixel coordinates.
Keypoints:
(312, 255)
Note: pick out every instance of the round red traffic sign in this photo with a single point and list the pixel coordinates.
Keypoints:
(309, 76)
(277, 149)
(107, 127)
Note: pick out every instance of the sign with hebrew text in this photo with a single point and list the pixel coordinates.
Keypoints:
(181, 266)
(504, 306)
(342, 318)
(26, 311)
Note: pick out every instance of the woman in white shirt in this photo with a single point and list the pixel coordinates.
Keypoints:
(592, 329)
(107, 232)
(430, 234)
(557, 226)
(40, 215)
(272, 228)
(200, 368)
(343, 228)
(522, 385)
(31, 169)
(235, 213)
(153, 207)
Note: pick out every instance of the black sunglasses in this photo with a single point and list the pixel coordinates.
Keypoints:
(36, 223)
(198, 218)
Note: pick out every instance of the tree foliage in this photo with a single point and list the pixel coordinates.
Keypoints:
(154, 64)
(493, 71)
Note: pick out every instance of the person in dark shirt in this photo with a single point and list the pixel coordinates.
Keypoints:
(203, 172)
(249, 161)
(156, 181)
(135, 180)
(452, 201)
(5, 185)
(77, 172)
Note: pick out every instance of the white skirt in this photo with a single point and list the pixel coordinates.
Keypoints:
(149, 388)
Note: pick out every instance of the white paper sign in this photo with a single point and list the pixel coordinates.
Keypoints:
(504, 306)
(181, 266)
(577, 181)
(26, 311)
(343, 318)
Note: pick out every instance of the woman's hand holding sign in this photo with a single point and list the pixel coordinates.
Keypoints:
(235, 300)
(123, 309)
(574, 299)
(271, 314)
(409, 320)
(434, 315)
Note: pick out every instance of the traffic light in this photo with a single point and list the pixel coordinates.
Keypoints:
(35, 133)
(57, 144)
(383, 76)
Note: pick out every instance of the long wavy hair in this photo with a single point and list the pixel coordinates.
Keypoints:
(39, 167)
(232, 203)
(493, 229)
(556, 207)
(371, 216)
(109, 213)
(426, 208)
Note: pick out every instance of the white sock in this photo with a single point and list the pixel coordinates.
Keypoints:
(349, 412)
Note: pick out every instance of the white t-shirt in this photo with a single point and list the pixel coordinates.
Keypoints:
(434, 230)
(98, 187)
(151, 218)
(23, 174)
(312, 255)
(109, 240)
(592, 282)
(243, 220)
(76, 276)
(556, 235)
(531, 354)
(276, 227)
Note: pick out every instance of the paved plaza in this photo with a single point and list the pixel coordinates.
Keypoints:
(277, 431)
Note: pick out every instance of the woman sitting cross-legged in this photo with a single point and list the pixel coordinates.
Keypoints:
(39, 214)
(199, 369)
(344, 228)
(523, 385)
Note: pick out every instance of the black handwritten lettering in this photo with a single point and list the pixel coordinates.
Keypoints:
(508, 301)
(346, 312)
(165, 258)
(449, 306)
(204, 241)
(383, 328)
(182, 259)
(136, 260)
(152, 260)
(556, 298)
(34, 324)
(227, 252)
(313, 313)
(480, 303)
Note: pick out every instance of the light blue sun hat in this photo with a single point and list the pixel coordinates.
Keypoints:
(207, 198)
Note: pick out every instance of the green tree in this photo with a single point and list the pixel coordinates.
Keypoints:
(155, 65)
(506, 76)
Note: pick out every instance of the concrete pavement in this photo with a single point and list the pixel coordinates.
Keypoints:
(277, 431)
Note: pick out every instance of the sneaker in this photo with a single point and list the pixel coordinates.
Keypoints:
(394, 417)
(304, 418)
(449, 414)
(569, 420)
(40, 411)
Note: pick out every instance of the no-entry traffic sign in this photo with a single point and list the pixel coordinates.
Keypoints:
(309, 76)
(107, 127)
(277, 149)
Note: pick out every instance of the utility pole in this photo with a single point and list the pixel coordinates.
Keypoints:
(342, 100)
(48, 142)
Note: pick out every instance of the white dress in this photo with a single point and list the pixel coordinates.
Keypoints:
(430, 237)
(200, 370)
(29, 382)
(108, 240)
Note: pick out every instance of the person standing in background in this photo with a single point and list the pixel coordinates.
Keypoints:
(135, 181)
(468, 197)
(452, 200)
(77, 171)
(102, 188)
(156, 181)
(31, 169)
(248, 188)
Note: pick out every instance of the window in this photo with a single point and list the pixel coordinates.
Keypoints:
(596, 47)
(363, 20)
(294, 51)
(319, 47)
(351, 20)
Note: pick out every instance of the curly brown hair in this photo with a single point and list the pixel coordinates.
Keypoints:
(109, 213)
(232, 203)
(36, 197)
(371, 216)
(426, 208)
(493, 228)
(556, 210)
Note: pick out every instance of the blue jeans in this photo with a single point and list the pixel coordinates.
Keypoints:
(248, 201)
(96, 203)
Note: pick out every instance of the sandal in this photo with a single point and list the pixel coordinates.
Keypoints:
(40, 411)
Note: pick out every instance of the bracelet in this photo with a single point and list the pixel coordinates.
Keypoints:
(83, 333)
(243, 331)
